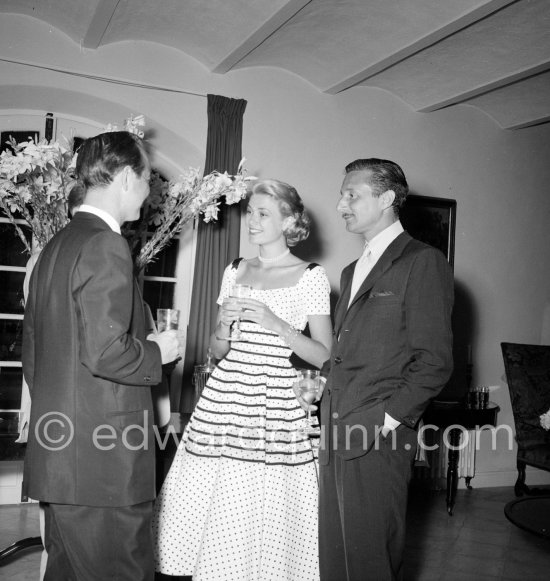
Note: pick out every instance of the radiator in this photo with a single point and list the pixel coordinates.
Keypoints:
(466, 458)
(433, 463)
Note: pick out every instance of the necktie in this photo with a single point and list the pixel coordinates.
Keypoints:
(362, 269)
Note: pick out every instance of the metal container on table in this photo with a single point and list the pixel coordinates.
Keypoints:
(201, 373)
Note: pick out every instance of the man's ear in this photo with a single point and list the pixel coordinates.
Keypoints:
(126, 174)
(387, 198)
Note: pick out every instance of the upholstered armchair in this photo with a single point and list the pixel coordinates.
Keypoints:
(528, 374)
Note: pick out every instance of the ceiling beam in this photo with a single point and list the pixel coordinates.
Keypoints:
(487, 87)
(283, 15)
(436, 36)
(531, 123)
(100, 21)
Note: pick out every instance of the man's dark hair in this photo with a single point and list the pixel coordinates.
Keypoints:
(100, 158)
(384, 175)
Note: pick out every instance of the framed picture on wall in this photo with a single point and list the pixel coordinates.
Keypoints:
(19, 136)
(431, 220)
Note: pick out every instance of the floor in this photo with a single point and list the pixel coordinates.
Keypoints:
(477, 543)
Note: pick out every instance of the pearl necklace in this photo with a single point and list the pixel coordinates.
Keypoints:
(274, 258)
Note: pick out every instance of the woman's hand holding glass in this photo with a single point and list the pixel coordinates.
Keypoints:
(233, 308)
(258, 312)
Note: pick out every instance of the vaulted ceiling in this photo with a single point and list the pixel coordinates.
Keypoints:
(490, 54)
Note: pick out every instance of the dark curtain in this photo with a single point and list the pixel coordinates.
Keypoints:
(217, 242)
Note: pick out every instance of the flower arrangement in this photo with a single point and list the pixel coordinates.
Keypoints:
(545, 420)
(171, 204)
(36, 178)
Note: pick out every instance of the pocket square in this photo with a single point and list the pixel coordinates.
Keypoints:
(384, 293)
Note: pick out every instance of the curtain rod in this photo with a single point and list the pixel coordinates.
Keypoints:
(104, 79)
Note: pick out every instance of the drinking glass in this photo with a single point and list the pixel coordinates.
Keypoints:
(309, 385)
(239, 291)
(167, 319)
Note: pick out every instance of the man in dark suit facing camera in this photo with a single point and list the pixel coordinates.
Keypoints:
(392, 353)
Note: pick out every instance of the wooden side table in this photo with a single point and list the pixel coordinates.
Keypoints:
(459, 418)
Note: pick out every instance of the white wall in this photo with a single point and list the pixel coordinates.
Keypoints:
(292, 132)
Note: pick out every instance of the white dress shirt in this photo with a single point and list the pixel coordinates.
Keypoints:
(372, 252)
(105, 216)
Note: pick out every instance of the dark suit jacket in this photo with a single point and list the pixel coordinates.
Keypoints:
(392, 350)
(89, 370)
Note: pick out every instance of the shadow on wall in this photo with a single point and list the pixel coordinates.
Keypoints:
(311, 249)
(464, 323)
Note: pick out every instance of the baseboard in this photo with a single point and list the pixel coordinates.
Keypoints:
(11, 477)
(534, 477)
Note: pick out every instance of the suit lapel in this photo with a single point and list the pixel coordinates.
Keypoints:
(384, 263)
(345, 290)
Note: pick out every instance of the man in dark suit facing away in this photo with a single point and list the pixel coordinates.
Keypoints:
(391, 355)
(90, 370)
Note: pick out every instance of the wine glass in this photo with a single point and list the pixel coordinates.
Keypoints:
(239, 291)
(309, 385)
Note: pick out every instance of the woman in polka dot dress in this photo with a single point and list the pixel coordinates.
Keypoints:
(240, 499)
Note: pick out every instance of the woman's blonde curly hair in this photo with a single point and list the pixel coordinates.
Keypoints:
(290, 205)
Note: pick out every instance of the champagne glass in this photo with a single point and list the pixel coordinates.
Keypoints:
(239, 291)
(309, 385)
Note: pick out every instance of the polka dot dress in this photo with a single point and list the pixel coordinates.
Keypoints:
(240, 499)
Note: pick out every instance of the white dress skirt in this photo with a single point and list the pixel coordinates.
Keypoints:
(240, 500)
